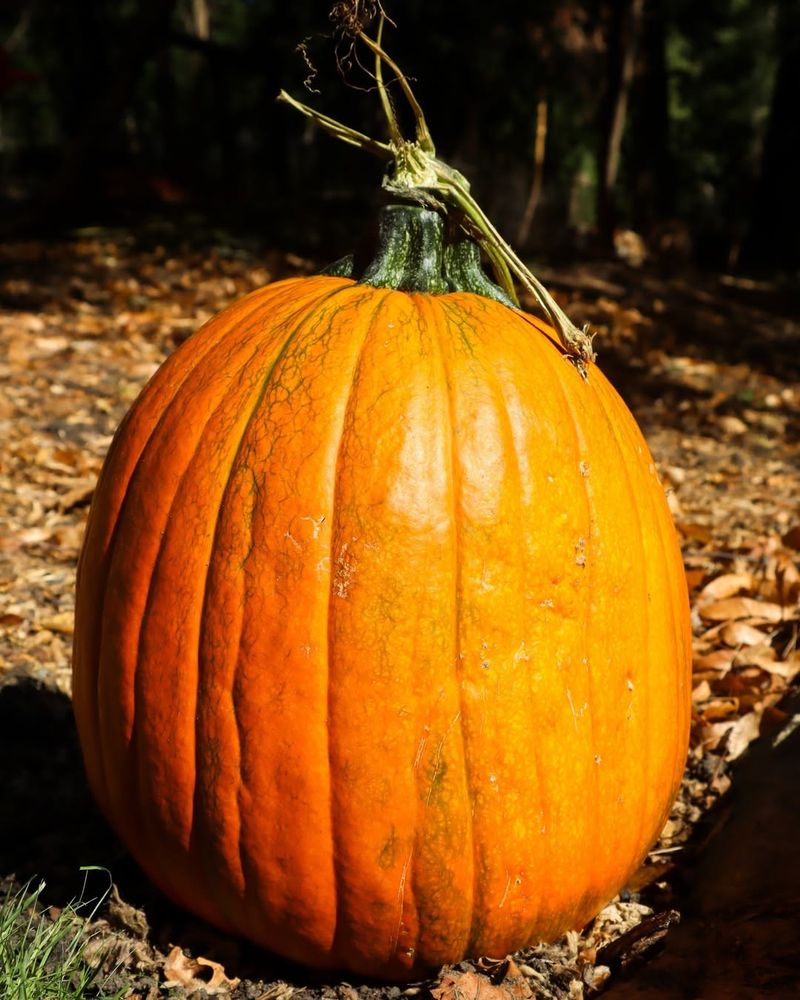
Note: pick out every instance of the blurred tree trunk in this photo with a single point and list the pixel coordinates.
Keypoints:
(774, 231)
(535, 193)
(623, 32)
(652, 163)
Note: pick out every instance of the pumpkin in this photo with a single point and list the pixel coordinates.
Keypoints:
(382, 645)
(381, 651)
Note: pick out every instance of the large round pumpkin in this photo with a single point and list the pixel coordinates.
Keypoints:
(382, 651)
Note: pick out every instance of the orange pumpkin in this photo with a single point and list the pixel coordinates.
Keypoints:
(382, 644)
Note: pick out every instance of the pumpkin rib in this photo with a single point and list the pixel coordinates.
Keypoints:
(471, 323)
(676, 582)
(453, 910)
(338, 947)
(203, 342)
(138, 762)
(559, 382)
(644, 747)
(538, 765)
(513, 464)
(441, 340)
(300, 319)
(612, 400)
(589, 572)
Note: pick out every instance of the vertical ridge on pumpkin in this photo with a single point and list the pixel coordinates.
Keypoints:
(441, 821)
(575, 392)
(218, 819)
(152, 779)
(455, 523)
(352, 386)
(110, 493)
(612, 843)
(672, 562)
(284, 477)
(492, 629)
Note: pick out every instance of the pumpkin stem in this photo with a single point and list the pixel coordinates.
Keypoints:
(395, 134)
(417, 174)
(423, 137)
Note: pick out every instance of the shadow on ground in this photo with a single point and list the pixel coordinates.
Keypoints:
(50, 830)
(739, 936)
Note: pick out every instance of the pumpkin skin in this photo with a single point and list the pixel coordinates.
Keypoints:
(382, 644)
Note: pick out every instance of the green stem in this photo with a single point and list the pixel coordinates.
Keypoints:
(391, 118)
(424, 138)
(383, 150)
(417, 174)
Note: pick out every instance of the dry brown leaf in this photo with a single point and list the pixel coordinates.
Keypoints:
(195, 974)
(63, 622)
(472, 986)
(739, 633)
(720, 659)
(741, 607)
(792, 538)
(725, 586)
(695, 577)
(78, 495)
(732, 425)
(693, 531)
(720, 708)
(737, 735)
(781, 668)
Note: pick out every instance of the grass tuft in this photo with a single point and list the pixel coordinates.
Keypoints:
(42, 950)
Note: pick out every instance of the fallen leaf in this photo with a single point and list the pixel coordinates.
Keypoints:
(725, 586)
(721, 708)
(739, 633)
(720, 659)
(693, 531)
(737, 736)
(63, 622)
(195, 974)
(77, 496)
(741, 607)
(472, 986)
(732, 425)
(792, 538)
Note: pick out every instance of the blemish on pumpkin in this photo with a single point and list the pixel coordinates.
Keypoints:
(584, 467)
(505, 892)
(290, 537)
(598, 759)
(572, 709)
(316, 521)
(580, 552)
(344, 572)
(388, 855)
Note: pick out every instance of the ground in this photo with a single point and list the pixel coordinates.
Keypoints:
(708, 364)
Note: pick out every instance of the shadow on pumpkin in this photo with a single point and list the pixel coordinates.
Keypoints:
(50, 829)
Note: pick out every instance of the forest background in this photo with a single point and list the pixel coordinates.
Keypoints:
(664, 128)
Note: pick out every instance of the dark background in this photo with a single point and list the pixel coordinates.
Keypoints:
(674, 119)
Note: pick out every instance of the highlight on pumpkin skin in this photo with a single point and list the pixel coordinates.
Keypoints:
(416, 173)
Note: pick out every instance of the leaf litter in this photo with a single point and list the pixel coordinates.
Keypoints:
(85, 321)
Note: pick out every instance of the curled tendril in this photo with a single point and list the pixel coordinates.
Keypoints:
(351, 16)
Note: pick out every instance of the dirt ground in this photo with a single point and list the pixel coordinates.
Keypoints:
(708, 364)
